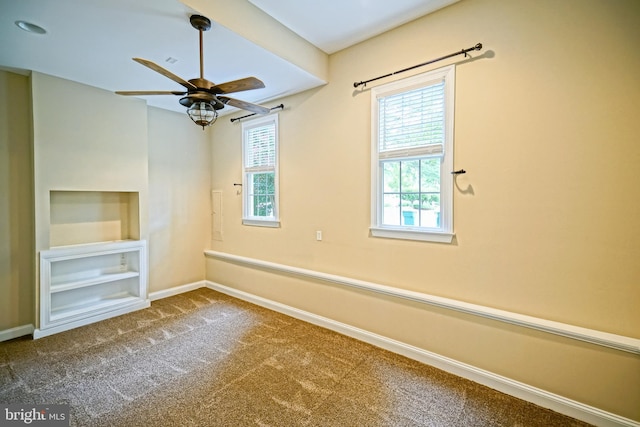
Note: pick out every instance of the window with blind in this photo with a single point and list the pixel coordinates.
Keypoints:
(260, 171)
(412, 157)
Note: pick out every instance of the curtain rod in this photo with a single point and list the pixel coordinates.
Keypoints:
(461, 52)
(253, 114)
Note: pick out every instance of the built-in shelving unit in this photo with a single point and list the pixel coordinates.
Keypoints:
(95, 264)
(81, 284)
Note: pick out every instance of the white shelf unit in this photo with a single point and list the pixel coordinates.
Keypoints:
(82, 284)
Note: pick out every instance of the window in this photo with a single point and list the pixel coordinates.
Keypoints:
(260, 171)
(412, 157)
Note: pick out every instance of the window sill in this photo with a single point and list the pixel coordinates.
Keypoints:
(412, 234)
(261, 223)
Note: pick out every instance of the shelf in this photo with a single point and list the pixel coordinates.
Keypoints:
(97, 280)
(81, 250)
(73, 310)
(82, 246)
(84, 283)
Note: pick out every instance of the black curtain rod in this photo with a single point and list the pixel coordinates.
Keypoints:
(461, 52)
(253, 114)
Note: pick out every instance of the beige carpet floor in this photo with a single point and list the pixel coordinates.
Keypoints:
(205, 359)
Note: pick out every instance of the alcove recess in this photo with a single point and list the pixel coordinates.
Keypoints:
(79, 217)
(96, 264)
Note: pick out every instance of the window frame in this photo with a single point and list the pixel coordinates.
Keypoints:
(247, 217)
(443, 234)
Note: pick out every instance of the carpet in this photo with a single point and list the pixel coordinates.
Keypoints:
(203, 358)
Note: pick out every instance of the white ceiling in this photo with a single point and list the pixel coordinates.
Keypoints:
(333, 25)
(92, 41)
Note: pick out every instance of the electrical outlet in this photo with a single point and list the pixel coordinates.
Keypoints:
(318, 235)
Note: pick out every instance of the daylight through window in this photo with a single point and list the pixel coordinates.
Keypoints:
(412, 152)
(260, 171)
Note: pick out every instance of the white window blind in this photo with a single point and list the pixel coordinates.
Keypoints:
(260, 148)
(412, 123)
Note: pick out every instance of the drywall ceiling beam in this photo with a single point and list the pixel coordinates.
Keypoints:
(251, 23)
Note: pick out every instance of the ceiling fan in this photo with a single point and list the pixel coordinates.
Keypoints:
(202, 97)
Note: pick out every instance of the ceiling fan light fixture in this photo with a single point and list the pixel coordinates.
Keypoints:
(202, 113)
(201, 100)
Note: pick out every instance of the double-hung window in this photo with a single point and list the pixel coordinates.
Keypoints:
(260, 171)
(412, 157)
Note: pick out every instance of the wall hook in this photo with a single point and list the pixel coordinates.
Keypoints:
(458, 172)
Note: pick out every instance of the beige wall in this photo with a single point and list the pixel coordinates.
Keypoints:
(97, 142)
(179, 199)
(545, 218)
(16, 203)
(121, 145)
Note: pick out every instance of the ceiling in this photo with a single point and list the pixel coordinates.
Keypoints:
(92, 41)
(333, 25)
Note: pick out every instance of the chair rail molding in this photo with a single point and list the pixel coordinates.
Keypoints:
(606, 339)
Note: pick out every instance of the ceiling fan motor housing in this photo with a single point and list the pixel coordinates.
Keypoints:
(202, 84)
(194, 97)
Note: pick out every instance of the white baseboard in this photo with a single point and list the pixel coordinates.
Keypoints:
(164, 293)
(517, 389)
(19, 331)
(137, 305)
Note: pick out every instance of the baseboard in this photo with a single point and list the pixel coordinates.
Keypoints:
(164, 293)
(129, 308)
(517, 389)
(19, 331)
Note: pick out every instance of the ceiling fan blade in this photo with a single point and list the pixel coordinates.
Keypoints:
(158, 69)
(254, 108)
(247, 83)
(149, 92)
